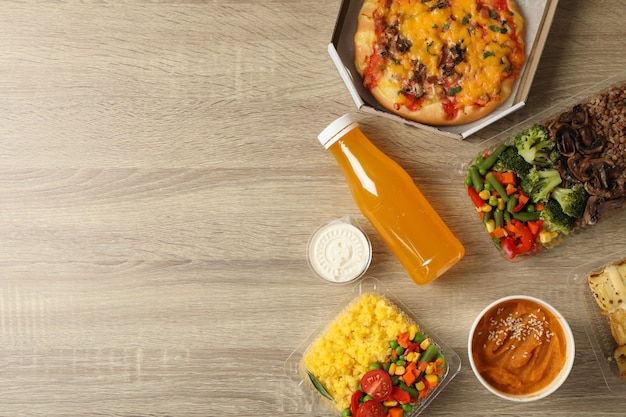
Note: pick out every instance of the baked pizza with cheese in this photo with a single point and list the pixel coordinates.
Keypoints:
(439, 62)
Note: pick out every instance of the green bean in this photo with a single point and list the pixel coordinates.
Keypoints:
(477, 181)
(485, 164)
(413, 392)
(419, 337)
(510, 205)
(498, 216)
(429, 354)
(526, 216)
(497, 186)
(487, 215)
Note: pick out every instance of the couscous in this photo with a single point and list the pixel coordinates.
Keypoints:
(358, 336)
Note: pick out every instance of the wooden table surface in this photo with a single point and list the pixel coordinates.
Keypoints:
(160, 176)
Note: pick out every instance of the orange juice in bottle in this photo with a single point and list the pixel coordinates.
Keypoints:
(388, 197)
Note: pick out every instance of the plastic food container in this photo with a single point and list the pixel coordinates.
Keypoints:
(513, 338)
(591, 162)
(596, 324)
(339, 252)
(314, 401)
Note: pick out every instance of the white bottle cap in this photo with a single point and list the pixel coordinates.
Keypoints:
(339, 252)
(336, 129)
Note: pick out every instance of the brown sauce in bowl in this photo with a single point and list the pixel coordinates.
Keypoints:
(519, 347)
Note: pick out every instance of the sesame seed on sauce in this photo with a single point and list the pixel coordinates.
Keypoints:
(518, 327)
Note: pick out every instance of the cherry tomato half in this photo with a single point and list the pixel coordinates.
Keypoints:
(371, 408)
(377, 384)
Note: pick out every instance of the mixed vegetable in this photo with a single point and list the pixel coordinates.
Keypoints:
(515, 189)
(392, 388)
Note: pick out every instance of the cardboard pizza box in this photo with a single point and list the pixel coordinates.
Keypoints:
(538, 15)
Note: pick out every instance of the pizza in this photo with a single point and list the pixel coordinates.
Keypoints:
(439, 62)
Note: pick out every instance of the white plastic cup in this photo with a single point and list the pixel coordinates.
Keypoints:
(339, 252)
(558, 380)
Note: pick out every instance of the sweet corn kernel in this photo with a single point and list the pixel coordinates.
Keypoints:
(390, 403)
(412, 331)
(425, 343)
(484, 194)
(546, 237)
(431, 379)
(420, 385)
(486, 208)
(400, 370)
(392, 369)
(490, 225)
(501, 204)
(429, 369)
(412, 357)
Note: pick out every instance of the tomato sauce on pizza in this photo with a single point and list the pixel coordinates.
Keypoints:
(440, 62)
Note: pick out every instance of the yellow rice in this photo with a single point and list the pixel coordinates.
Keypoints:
(358, 336)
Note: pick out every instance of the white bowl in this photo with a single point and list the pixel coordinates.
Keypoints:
(556, 382)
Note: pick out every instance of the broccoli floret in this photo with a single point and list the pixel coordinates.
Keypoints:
(554, 219)
(535, 146)
(511, 160)
(572, 200)
(539, 183)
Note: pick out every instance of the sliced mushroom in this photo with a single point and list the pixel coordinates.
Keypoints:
(602, 180)
(574, 163)
(592, 210)
(565, 139)
(579, 117)
(587, 143)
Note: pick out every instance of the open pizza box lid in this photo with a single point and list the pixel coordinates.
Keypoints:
(538, 15)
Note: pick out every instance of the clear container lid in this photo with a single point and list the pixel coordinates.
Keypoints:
(337, 129)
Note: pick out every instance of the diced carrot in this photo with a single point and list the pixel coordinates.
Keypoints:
(506, 178)
(512, 230)
(499, 232)
(534, 226)
(539, 206)
(422, 393)
(395, 412)
(403, 340)
(394, 354)
(410, 374)
(510, 189)
(522, 199)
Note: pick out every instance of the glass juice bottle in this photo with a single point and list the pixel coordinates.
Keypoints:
(388, 197)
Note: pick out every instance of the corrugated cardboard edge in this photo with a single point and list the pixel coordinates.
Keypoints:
(523, 89)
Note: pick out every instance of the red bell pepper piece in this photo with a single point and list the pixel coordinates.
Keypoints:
(354, 401)
(478, 202)
(508, 246)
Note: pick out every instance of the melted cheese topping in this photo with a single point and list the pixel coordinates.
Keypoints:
(491, 49)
